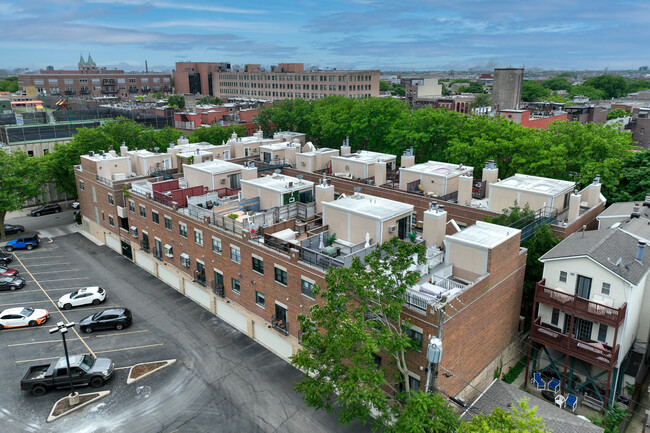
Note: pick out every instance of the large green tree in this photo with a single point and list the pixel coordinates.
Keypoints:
(634, 181)
(21, 179)
(557, 83)
(358, 317)
(500, 420)
(611, 85)
(532, 91)
(9, 84)
(216, 134)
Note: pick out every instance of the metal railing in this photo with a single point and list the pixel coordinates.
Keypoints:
(281, 326)
(144, 246)
(218, 289)
(104, 181)
(157, 253)
(199, 277)
(416, 301)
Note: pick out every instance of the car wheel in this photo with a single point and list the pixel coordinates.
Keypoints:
(38, 390)
(88, 330)
(119, 326)
(32, 323)
(30, 247)
(67, 306)
(96, 382)
(9, 248)
(57, 211)
(96, 301)
(37, 214)
(12, 288)
(22, 230)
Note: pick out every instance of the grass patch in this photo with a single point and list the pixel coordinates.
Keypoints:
(64, 405)
(515, 371)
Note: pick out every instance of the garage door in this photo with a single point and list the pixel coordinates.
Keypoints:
(232, 316)
(169, 277)
(114, 243)
(144, 261)
(272, 340)
(197, 294)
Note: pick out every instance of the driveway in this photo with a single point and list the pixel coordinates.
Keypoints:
(223, 381)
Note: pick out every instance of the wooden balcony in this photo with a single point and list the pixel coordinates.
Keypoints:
(575, 305)
(588, 352)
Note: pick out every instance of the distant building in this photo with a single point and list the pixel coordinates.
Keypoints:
(584, 113)
(506, 90)
(640, 127)
(90, 81)
(532, 120)
(197, 77)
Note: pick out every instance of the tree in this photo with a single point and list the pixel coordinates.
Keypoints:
(520, 419)
(557, 83)
(426, 413)
(359, 318)
(209, 101)
(634, 178)
(588, 91)
(473, 87)
(397, 89)
(612, 418)
(532, 91)
(384, 86)
(176, 101)
(637, 85)
(216, 134)
(482, 100)
(514, 214)
(612, 86)
(9, 84)
(617, 113)
(21, 179)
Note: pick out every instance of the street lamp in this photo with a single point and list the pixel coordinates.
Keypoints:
(63, 329)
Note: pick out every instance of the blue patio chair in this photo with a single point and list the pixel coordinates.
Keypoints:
(571, 401)
(538, 381)
(554, 385)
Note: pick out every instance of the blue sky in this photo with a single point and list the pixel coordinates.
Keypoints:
(355, 34)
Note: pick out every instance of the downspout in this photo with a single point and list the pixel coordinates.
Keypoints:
(618, 370)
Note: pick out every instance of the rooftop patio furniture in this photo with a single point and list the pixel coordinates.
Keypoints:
(560, 400)
(537, 380)
(554, 385)
(571, 401)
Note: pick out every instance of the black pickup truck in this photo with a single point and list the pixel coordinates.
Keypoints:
(86, 370)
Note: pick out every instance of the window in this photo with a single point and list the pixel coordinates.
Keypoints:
(94, 194)
(39, 82)
(95, 80)
(111, 221)
(602, 333)
(216, 245)
(235, 254)
(606, 290)
(235, 285)
(414, 384)
(258, 265)
(155, 217)
(198, 237)
(131, 206)
(169, 250)
(168, 223)
(83, 80)
(53, 81)
(563, 277)
(143, 211)
(415, 334)
(81, 185)
(307, 288)
(67, 81)
(182, 229)
(280, 276)
(110, 198)
(121, 81)
(259, 298)
(185, 260)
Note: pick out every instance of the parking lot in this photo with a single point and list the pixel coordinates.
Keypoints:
(221, 378)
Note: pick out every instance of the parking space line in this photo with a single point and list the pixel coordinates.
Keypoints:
(59, 279)
(21, 303)
(41, 342)
(120, 333)
(131, 348)
(37, 257)
(34, 290)
(37, 359)
(53, 272)
(50, 264)
(55, 306)
(100, 306)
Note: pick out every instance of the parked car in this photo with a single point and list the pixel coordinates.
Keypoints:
(46, 209)
(29, 242)
(22, 316)
(75, 205)
(85, 369)
(11, 283)
(12, 229)
(6, 258)
(111, 318)
(8, 272)
(88, 295)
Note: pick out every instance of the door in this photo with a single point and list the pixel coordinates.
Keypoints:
(126, 250)
(402, 226)
(200, 272)
(280, 313)
(583, 287)
(582, 329)
(267, 157)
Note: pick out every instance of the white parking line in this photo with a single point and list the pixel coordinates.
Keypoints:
(43, 342)
(64, 279)
(130, 348)
(21, 303)
(53, 272)
(96, 307)
(51, 264)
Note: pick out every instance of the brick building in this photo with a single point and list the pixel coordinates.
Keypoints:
(91, 81)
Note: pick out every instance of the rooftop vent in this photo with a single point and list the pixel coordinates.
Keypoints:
(639, 252)
(91, 153)
(101, 152)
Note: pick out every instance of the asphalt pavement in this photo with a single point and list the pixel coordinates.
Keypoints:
(223, 381)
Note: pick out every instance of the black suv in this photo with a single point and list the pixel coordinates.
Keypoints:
(5, 258)
(111, 318)
(45, 209)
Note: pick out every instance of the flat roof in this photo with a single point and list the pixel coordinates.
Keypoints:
(106, 156)
(144, 153)
(442, 169)
(485, 234)
(535, 184)
(279, 183)
(318, 151)
(193, 146)
(215, 167)
(280, 145)
(367, 156)
(370, 206)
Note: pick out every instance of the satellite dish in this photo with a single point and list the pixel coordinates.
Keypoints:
(618, 262)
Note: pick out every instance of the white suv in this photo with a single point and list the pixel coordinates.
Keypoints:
(89, 295)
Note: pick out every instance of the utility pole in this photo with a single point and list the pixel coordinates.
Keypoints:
(434, 352)
(63, 329)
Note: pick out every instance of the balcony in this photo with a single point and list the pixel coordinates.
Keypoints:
(199, 277)
(586, 351)
(84, 91)
(157, 253)
(108, 82)
(217, 289)
(133, 89)
(280, 325)
(70, 92)
(575, 305)
(144, 246)
(109, 90)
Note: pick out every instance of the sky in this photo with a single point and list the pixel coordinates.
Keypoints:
(354, 34)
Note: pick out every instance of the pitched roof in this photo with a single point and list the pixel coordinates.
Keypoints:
(81, 59)
(605, 247)
(501, 394)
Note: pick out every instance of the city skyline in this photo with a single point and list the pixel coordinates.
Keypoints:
(360, 34)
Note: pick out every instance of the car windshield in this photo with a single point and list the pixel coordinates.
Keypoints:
(87, 362)
(3, 278)
(27, 312)
(97, 315)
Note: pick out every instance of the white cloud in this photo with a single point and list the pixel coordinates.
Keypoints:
(179, 5)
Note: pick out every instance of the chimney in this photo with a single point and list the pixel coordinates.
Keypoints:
(324, 193)
(490, 173)
(407, 161)
(249, 172)
(380, 173)
(593, 197)
(574, 207)
(434, 226)
(639, 252)
(345, 150)
(465, 184)
(635, 211)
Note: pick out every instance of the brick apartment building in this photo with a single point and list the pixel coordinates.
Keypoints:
(282, 81)
(90, 81)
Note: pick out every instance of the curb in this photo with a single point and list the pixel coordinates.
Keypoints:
(101, 395)
(167, 362)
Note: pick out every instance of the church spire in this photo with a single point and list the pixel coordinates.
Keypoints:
(90, 61)
(81, 60)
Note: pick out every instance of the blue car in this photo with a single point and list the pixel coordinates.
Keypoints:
(29, 242)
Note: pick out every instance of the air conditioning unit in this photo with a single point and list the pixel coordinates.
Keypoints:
(391, 229)
(169, 250)
(134, 231)
(223, 181)
(303, 163)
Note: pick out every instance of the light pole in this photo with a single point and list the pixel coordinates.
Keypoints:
(63, 329)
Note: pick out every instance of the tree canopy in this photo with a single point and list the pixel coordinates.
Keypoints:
(617, 113)
(521, 419)
(9, 84)
(177, 101)
(611, 85)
